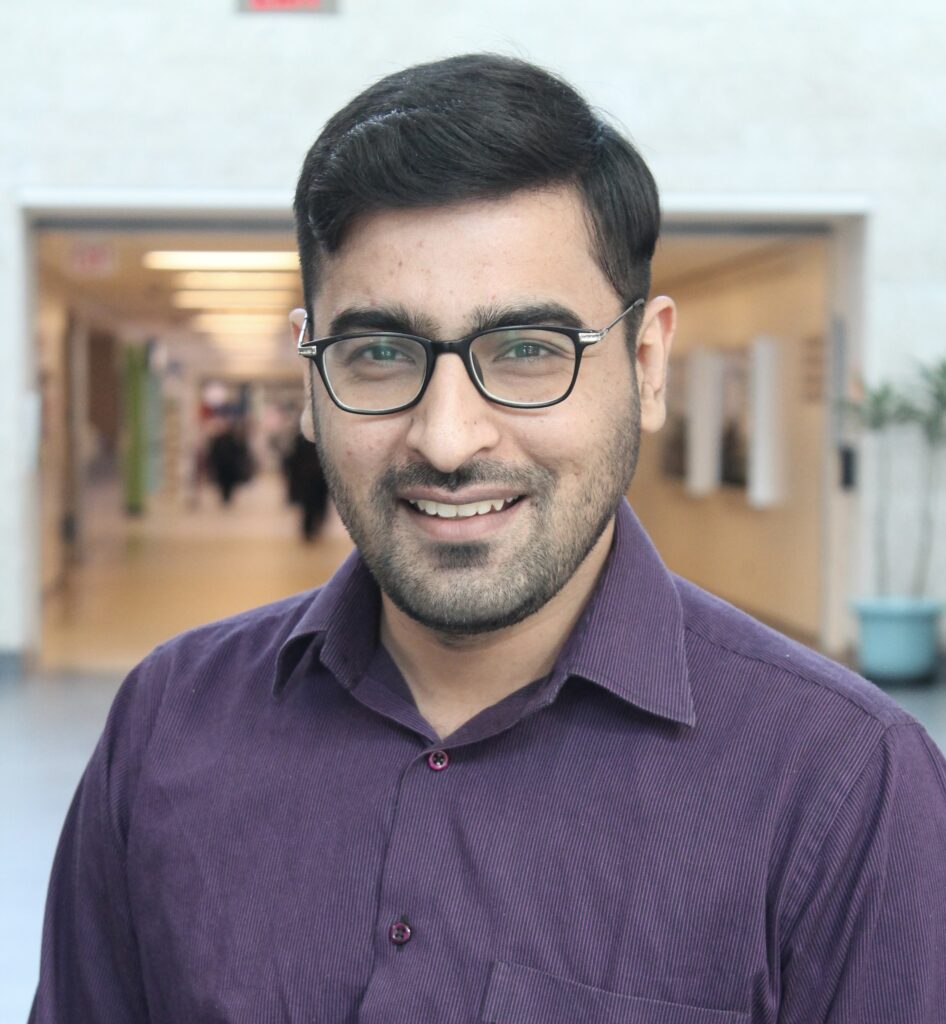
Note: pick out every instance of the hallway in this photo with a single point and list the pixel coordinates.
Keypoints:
(142, 580)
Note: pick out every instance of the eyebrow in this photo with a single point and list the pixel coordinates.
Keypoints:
(536, 314)
(395, 318)
(400, 319)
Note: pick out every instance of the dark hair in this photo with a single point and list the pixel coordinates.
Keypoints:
(477, 126)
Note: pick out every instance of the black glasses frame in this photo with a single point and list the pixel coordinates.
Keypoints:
(314, 349)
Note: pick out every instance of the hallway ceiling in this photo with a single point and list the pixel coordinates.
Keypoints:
(104, 271)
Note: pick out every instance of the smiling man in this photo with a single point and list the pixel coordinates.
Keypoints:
(503, 766)
(482, 496)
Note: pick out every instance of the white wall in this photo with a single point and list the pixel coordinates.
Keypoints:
(785, 98)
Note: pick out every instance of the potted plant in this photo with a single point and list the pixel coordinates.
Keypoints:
(899, 627)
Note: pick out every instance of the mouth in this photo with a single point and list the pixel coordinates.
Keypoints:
(486, 519)
(444, 510)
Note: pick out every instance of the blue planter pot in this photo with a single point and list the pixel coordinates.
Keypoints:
(898, 638)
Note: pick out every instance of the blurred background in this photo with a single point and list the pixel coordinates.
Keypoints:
(151, 477)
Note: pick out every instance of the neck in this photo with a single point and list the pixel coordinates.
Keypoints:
(453, 678)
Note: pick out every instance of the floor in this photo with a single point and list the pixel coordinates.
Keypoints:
(140, 582)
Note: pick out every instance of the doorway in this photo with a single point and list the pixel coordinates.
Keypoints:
(121, 554)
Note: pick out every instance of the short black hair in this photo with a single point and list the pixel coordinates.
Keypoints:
(476, 126)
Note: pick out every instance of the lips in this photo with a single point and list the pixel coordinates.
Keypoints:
(465, 510)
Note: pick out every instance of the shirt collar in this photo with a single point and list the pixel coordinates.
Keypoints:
(340, 624)
(629, 640)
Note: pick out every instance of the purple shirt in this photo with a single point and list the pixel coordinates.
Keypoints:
(691, 820)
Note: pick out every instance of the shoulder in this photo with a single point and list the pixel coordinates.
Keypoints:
(837, 760)
(217, 665)
(187, 689)
(758, 663)
(251, 639)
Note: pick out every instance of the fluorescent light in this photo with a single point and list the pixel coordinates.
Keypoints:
(243, 342)
(233, 300)
(236, 323)
(164, 259)
(242, 279)
(242, 332)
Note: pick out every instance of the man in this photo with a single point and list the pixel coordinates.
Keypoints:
(503, 766)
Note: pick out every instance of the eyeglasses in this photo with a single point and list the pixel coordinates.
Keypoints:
(379, 372)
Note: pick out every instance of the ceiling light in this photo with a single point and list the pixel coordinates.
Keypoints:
(244, 279)
(241, 343)
(234, 300)
(241, 330)
(235, 323)
(163, 259)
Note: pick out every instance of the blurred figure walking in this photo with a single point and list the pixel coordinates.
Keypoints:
(229, 462)
(306, 485)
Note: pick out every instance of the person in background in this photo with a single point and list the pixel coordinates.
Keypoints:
(504, 766)
(306, 485)
(229, 461)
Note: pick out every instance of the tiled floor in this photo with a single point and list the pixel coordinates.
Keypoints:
(142, 582)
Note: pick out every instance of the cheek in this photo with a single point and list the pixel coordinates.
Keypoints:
(578, 446)
(359, 446)
(559, 443)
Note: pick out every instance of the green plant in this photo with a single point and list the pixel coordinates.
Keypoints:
(879, 409)
(929, 414)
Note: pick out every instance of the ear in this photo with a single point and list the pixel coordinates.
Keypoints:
(297, 319)
(653, 350)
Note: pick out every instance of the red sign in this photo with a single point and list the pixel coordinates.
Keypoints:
(92, 257)
(288, 5)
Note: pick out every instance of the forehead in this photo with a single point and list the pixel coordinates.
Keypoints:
(529, 246)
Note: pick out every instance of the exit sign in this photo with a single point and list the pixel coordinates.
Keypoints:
(306, 6)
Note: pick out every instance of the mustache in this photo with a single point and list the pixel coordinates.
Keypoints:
(480, 471)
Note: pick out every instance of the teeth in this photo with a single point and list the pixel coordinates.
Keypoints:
(474, 508)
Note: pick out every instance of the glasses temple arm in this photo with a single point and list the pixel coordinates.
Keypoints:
(621, 316)
(300, 342)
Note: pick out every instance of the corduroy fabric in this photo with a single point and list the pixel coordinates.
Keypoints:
(691, 820)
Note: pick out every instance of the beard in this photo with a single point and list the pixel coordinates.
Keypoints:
(465, 589)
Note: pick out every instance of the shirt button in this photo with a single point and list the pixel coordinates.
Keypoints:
(400, 933)
(438, 760)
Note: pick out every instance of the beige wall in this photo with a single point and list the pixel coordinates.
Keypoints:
(766, 561)
(51, 326)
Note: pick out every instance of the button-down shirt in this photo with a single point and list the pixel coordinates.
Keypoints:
(691, 820)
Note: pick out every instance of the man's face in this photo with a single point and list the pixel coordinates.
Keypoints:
(551, 478)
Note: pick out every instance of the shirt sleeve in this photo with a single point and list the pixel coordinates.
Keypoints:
(869, 940)
(89, 966)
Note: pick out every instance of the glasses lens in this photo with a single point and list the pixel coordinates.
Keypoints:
(375, 372)
(525, 366)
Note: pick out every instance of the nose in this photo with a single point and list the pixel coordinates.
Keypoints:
(452, 422)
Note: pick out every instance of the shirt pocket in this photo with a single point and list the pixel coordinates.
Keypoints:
(523, 995)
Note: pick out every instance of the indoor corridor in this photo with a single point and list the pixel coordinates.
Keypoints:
(141, 580)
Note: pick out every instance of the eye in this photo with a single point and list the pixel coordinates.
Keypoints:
(379, 350)
(380, 353)
(524, 350)
(533, 347)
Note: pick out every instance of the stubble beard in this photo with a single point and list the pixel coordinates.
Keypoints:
(460, 590)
